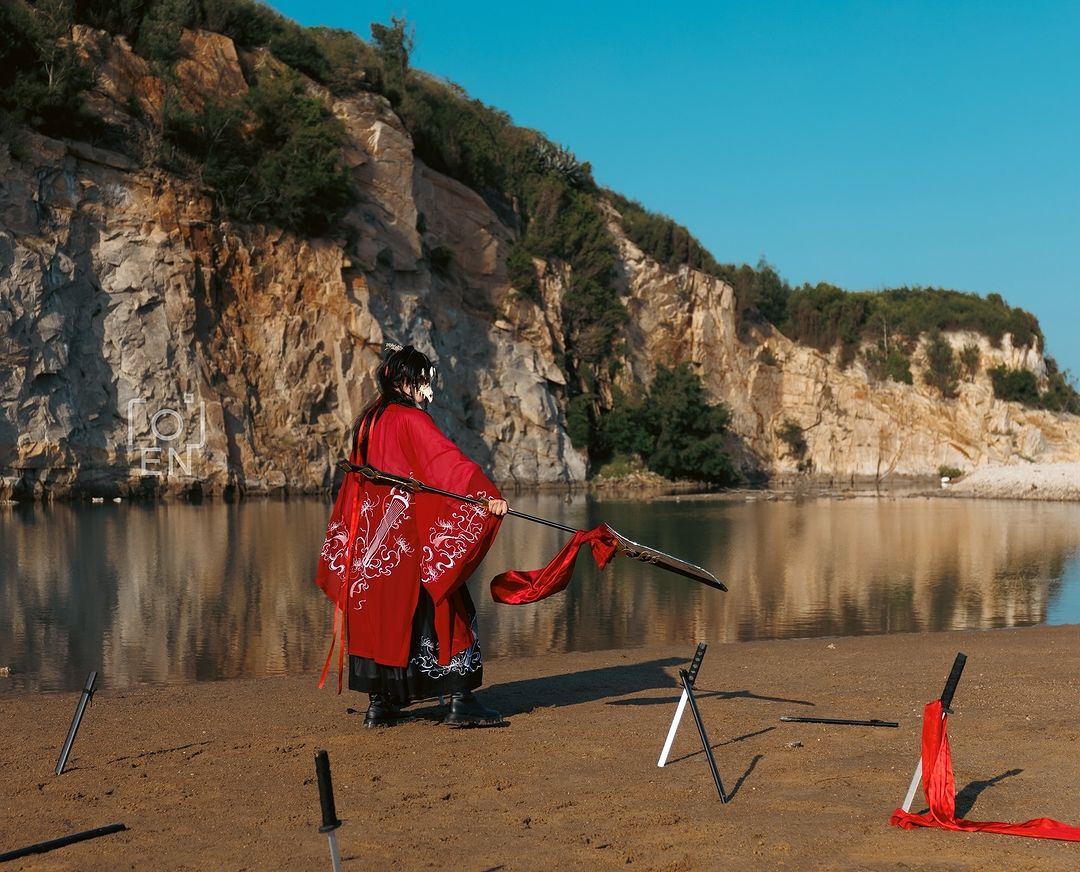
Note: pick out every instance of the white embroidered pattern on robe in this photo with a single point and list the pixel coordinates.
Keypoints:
(462, 663)
(373, 556)
(451, 537)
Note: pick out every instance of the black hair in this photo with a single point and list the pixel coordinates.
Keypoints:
(404, 369)
(401, 370)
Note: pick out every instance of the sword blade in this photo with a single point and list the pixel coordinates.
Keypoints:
(679, 709)
(913, 787)
(335, 857)
(627, 547)
(637, 551)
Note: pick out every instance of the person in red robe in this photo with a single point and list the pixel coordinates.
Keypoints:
(396, 562)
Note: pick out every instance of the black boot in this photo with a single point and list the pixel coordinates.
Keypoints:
(384, 712)
(467, 711)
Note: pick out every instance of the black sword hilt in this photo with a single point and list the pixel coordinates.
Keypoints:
(952, 681)
(695, 664)
(330, 820)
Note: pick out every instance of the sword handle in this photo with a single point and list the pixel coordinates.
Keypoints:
(330, 820)
(952, 681)
(695, 664)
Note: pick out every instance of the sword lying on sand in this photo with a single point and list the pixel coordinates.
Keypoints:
(626, 547)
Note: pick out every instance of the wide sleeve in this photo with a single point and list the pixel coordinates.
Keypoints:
(453, 535)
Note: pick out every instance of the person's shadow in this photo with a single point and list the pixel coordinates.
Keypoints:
(588, 685)
(607, 682)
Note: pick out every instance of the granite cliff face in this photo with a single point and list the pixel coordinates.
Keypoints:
(149, 347)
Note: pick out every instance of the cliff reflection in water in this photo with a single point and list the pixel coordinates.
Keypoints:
(169, 593)
(180, 593)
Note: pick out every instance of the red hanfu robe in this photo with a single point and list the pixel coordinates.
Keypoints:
(383, 543)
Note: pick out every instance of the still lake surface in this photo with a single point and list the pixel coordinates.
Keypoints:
(178, 593)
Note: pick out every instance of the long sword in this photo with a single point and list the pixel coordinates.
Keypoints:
(627, 547)
(946, 701)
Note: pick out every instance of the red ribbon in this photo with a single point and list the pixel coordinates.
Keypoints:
(341, 606)
(516, 587)
(940, 792)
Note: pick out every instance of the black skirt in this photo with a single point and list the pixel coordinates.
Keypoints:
(424, 677)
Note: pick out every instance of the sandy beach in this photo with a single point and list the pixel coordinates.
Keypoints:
(221, 775)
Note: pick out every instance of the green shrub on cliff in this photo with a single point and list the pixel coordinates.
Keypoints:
(893, 365)
(522, 272)
(273, 156)
(661, 238)
(1015, 385)
(1021, 386)
(942, 368)
(969, 358)
(1060, 395)
(760, 293)
(566, 224)
(823, 316)
(673, 428)
(153, 27)
(41, 76)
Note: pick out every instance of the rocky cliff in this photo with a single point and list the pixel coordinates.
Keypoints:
(149, 347)
(853, 426)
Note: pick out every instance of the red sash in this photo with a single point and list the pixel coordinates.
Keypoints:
(941, 792)
(516, 587)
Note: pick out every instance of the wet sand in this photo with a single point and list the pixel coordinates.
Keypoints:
(221, 775)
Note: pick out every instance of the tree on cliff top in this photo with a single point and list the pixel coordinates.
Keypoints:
(394, 45)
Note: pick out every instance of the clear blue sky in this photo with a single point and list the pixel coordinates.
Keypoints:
(870, 144)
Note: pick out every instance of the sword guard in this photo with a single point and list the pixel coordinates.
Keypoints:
(643, 555)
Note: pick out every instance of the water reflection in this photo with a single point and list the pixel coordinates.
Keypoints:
(181, 593)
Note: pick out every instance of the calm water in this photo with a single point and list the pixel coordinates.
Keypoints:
(178, 593)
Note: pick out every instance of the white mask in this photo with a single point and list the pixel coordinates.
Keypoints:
(426, 392)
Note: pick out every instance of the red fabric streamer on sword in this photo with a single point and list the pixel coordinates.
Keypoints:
(516, 587)
(941, 792)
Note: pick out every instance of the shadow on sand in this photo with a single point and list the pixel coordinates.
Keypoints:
(965, 798)
(606, 683)
(718, 694)
(589, 685)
